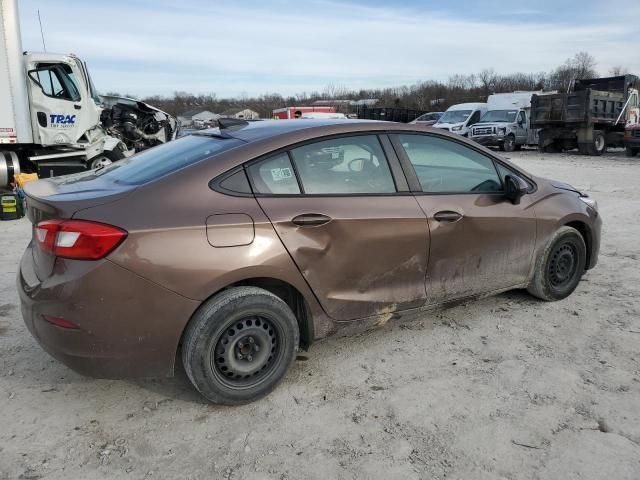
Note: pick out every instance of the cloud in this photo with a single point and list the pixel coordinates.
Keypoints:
(226, 47)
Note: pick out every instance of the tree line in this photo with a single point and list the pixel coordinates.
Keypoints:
(427, 95)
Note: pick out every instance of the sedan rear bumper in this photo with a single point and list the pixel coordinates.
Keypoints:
(130, 328)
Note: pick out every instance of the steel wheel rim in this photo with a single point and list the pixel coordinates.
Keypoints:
(247, 351)
(599, 143)
(563, 265)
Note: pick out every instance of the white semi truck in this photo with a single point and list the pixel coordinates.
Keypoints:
(52, 119)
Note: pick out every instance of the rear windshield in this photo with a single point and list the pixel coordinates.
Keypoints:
(159, 161)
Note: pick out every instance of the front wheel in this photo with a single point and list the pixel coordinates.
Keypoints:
(239, 345)
(631, 152)
(559, 268)
(509, 144)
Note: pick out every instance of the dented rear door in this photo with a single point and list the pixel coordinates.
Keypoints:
(363, 253)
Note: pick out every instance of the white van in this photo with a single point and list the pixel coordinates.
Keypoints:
(459, 118)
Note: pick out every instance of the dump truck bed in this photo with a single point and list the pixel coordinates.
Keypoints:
(583, 107)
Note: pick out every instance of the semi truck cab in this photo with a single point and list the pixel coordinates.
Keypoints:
(65, 109)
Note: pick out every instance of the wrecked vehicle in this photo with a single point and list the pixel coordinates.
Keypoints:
(52, 119)
(294, 230)
(137, 124)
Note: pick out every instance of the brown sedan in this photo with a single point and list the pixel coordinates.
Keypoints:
(235, 247)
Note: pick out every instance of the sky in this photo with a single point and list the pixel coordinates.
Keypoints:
(251, 47)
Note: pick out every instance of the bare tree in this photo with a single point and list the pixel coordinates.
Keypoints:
(618, 70)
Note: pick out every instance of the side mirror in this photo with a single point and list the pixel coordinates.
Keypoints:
(514, 188)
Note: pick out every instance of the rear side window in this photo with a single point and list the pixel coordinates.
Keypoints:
(346, 165)
(274, 175)
(445, 166)
(164, 159)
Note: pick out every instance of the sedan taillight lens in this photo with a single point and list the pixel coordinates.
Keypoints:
(78, 239)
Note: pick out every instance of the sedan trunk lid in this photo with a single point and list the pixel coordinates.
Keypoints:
(61, 198)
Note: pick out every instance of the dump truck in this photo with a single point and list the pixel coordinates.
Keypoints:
(590, 116)
(52, 119)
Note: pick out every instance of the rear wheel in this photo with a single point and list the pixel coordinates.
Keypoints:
(631, 152)
(560, 266)
(239, 345)
(597, 147)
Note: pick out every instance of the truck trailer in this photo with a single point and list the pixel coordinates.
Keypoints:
(52, 119)
(591, 116)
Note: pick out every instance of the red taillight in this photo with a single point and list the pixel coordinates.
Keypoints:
(78, 239)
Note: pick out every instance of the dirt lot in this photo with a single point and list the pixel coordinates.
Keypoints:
(507, 387)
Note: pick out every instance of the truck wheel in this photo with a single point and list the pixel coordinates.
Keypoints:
(239, 345)
(106, 158)
(509, 143)
(559, 268)
(631, 152)
(599, 143)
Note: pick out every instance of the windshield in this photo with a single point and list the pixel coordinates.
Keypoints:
(508, 116)
(455, 116)
(166, 158)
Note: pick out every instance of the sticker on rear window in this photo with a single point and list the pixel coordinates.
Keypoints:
(281, 173)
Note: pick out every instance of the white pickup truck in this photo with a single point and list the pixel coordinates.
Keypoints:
(506, 123)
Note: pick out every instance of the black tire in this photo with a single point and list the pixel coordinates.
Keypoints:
(631, 152)
(509, 143)
(559, 268)
(239, 345)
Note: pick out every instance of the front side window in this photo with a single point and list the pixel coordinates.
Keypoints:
(56, 80)
(522, 118)
(445, 166)
(347, 165)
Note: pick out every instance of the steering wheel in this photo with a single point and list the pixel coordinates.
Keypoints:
(366, 163)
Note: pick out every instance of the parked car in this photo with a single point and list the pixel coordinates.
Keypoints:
(459, 118)
(632, 139)
(427, 119)
(231, 248)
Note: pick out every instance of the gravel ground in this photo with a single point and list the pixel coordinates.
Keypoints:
(506, 387)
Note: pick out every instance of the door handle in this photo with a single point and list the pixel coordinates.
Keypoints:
(77, 107)
(447, 216)
(310, 220)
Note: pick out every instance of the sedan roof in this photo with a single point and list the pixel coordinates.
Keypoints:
(252, 131)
